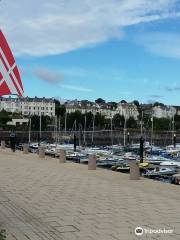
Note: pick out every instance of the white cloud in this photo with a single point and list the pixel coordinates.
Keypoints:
(46, 27)
(77, 88)
(165, 44)
(49, 76)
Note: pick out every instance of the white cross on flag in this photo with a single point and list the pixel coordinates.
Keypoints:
(10, 81)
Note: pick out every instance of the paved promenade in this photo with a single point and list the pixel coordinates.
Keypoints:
(45, 200)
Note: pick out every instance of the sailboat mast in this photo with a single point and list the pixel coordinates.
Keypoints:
(93, 128)
(152, 128)
(59, 128)
(125, 131)
(173, 129)
(65, 126)
(85, 130)
(141, 123)
(112, 131)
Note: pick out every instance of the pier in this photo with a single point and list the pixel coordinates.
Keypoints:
(41, 199)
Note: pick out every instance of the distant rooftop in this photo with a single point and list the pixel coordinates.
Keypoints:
(27, 99)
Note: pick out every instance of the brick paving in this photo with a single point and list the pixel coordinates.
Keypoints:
(41, 199)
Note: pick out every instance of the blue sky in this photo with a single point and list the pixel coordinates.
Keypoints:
(83, 49)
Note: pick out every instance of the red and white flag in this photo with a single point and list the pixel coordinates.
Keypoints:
(10, 81)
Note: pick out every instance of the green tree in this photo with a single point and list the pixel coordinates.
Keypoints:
(118, 121)
(113, 105)
(131, 123)
(60, 109)
(177, 122)
(89, 120)
(136, 102)
(161, 124)
(100, 101)
(99, 121)
(158, 104)
(35, 122)
(5, 117)
(2, 234)
(72, 117)
(147, 123)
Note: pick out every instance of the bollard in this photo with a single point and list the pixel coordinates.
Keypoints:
(25, 149)
(134, 170)
(92, 162)
(2, 144)
(41, 152)
(62, 156)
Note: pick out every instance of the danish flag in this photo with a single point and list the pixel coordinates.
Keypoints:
(10, 81)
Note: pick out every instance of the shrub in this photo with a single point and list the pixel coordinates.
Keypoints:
(2, 234)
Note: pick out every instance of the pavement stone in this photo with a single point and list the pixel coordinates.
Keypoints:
(41, 199)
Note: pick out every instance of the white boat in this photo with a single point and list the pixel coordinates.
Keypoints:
(170, 163)
(154, 159)
(163, 171)
(50, 151)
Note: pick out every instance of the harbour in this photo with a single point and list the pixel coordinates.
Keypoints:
(158, 163)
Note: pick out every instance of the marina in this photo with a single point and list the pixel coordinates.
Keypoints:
(158, 163)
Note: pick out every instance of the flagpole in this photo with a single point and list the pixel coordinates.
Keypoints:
(125, 119)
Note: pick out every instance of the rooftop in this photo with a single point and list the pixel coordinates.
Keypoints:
(26, 99)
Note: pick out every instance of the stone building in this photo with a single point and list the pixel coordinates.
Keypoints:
(127, 110)
(29, 106)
